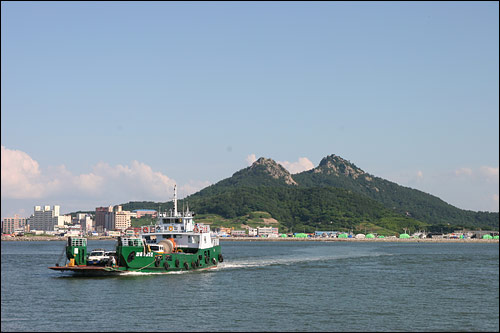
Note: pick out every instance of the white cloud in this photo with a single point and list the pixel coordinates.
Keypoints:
(463, 171)
(303, 164)
(491, 173)
(20, 175)
(251, 158)
(22, 179)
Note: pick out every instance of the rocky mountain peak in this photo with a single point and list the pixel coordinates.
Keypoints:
(274, 169)
(333, 164)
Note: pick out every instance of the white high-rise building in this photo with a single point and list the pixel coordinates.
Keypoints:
(45, 219)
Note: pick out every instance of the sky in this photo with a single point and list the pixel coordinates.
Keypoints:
(103, 103)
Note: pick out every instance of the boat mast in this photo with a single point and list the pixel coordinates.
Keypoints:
(175, 200)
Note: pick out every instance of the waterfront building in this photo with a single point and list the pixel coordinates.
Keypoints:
(109, 218)
(238, 233)
(225, 231)
(267, 232)
(86, 221)
(103, 216)
(325, 233)
(13, 224)
(44, 219)
(121, 219)
(252, 232)
(145, 212)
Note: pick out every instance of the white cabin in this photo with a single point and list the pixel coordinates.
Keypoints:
(181, 227)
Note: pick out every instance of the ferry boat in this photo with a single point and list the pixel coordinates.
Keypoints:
(174, 243)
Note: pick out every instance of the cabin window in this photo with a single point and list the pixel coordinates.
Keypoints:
(193, 239)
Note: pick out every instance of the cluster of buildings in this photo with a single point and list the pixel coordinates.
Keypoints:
(48, 220)
(249, 232)
(114, 221)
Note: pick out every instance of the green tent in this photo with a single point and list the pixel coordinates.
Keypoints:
(404, 236)
(283, 235)
(300, 235)
(381, 236)
(370, 236)
(342, 236)
(495, 237)
(487, 237)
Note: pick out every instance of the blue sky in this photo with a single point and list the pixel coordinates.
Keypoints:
(107, 102)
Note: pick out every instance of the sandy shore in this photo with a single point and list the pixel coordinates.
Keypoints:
(280, 239)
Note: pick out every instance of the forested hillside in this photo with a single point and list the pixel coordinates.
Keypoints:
(336, 194)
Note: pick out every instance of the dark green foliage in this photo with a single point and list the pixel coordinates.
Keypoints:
(134, 205)
(289, 204)
(139, 222)
(336, 191)
(298, 208)
(403, 200)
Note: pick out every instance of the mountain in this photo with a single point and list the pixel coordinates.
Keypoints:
(263, 172)
(267, 186)
(336, 194)
(334, 171)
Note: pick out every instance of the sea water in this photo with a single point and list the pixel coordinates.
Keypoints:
(263, 286)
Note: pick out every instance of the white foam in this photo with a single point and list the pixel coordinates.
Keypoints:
(290, 261)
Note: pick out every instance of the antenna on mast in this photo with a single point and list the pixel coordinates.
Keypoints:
(175, 200)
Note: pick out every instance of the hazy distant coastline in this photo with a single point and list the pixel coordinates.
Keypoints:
(257, 239)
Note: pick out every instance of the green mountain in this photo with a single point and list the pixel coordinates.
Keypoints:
(263, 172)
(336, 194)
(334, 171)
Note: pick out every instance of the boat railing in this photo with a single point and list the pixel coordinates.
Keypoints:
(132, 242)
(78, 241)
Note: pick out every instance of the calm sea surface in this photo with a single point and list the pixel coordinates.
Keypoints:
(264, 286)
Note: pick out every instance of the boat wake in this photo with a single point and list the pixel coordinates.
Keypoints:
(237, 264)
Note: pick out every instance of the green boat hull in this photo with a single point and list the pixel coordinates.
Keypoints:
(140, 259)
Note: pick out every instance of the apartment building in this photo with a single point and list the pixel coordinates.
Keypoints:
(46, 217)
(13, 224)
(103, 218)
(109, 218)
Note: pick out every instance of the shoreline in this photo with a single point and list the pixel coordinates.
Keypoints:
(398, 240)
(49, 238)
(280, 239)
